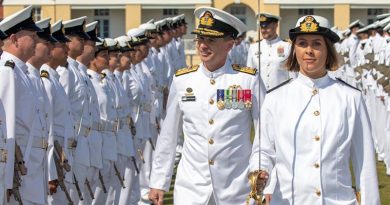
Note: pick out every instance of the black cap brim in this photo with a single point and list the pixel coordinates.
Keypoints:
(82, 35)
(332, 36)
(3, 36)
(62, 39)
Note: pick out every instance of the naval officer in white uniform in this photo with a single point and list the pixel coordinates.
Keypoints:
(217, 103)
(321, 125)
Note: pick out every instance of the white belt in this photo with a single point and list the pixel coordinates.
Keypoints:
(146, 107)
(71, 142)
(109, 126)
(97, 126)
(83, 130)
(124, 123)
(37, 142)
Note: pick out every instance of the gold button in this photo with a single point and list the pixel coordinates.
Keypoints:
(211, 141)
(212, 81)
(318, 193)
(316, 113)
(211, 101)
(211, 121)
(211, 162)
(315, 91)
(316, 165)
(317, 138)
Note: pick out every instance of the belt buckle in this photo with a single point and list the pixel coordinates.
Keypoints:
(100, 126)
(44, 143)
(87, 131)
(3, 155)
(115, 126)
(72, 144)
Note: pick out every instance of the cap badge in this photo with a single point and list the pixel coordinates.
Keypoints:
(309, 24)
(207, 19)
(263, 18)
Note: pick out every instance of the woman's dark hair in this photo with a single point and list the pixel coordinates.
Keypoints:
(331, 58)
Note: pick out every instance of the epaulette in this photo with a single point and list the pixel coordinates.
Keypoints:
(280, 85)
(248, 70)
(10, 63)
(190, 69)
(347, 84)
(44, 74)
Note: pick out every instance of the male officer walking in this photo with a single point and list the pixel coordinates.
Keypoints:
(217, 103)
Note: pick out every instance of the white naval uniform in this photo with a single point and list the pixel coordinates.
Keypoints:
(37, 167)
(125, 143)
(134, 90)
(108, 115)
(91, 121)
(77, 92)
(273, 55)
(312, 149)
(3, 137)
(353, 43)
(25, 114)
(62, 129)
(217, 154)
(8, 95)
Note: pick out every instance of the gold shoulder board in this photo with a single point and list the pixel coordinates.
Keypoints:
(248, 70)
(183, 71)
(44, 74)
(10, 64)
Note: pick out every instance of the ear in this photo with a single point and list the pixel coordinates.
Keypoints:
(13, 38)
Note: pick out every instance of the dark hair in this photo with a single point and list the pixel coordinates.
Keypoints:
(331, 58)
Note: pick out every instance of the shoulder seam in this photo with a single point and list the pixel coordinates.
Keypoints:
(280, 85)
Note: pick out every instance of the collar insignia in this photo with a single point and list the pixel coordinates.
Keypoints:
(309, 24)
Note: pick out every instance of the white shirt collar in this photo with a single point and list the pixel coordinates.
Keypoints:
(313, 83)
(215, 73)
(275, 40)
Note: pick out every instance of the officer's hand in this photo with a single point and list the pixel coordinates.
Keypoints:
(156, 196)
(53, 186)
(262, 179)
(268, 198)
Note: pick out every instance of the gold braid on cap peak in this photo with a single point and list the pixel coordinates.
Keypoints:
(208, 32)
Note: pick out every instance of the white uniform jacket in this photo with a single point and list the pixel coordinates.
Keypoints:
(216, 157)
(310, 130)
(273, 55)
(8, 84)
(77, 91)
(20, 115)
(108, 113)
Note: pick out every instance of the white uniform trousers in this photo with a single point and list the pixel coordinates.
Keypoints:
(130, 177)
(146, 169)
(108, 176)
